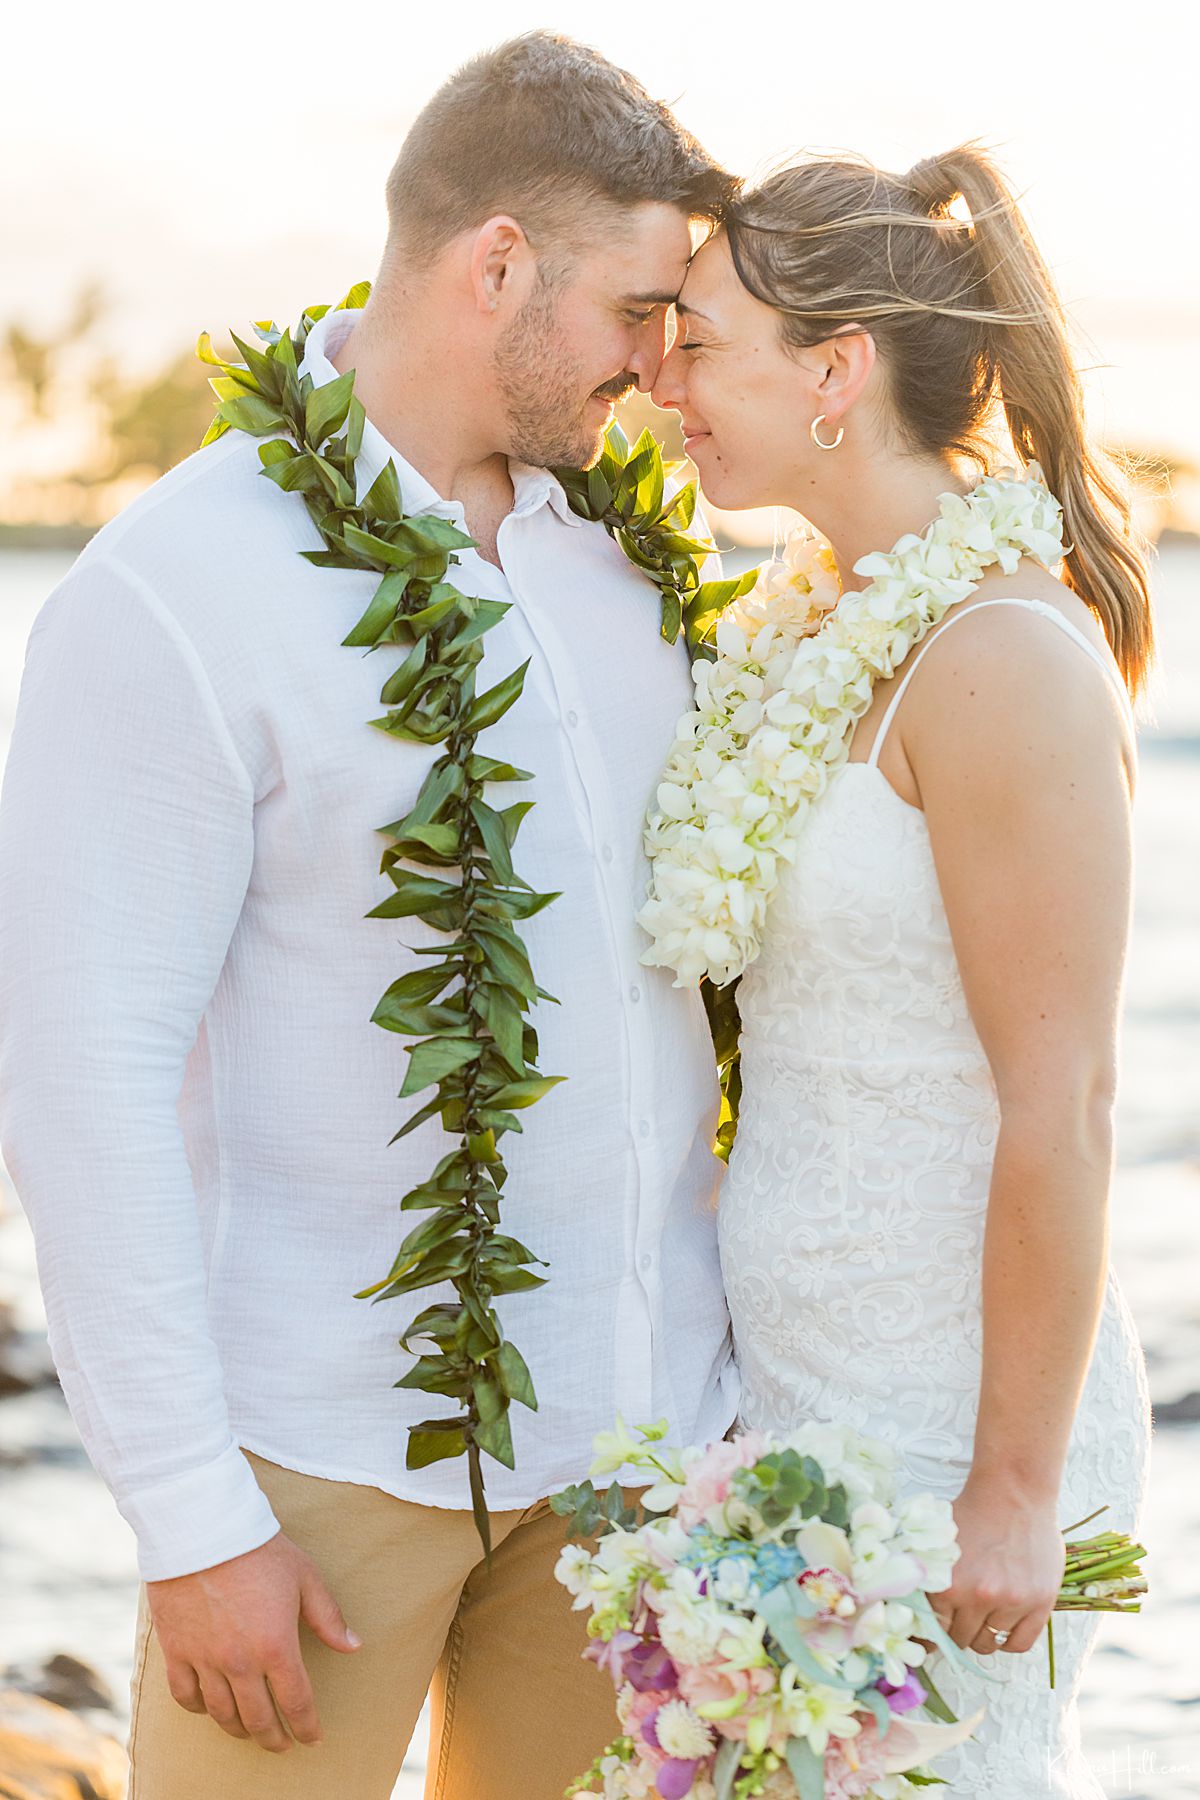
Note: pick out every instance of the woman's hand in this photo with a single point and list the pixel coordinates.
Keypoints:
(1010, 1568)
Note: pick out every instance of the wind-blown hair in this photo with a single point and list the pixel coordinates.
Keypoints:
(967, 320)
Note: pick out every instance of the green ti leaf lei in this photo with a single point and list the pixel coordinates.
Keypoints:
(449, 858)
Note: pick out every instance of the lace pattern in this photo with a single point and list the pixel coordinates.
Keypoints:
(851, 1229)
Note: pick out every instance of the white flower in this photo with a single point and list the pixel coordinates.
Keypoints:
(573, 1569)
(613, 1449)
(795, 667)
(816, 1713)
(690, 1624)
(681, 1732)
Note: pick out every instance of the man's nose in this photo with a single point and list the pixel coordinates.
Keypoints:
(669, 384)
(653, 340)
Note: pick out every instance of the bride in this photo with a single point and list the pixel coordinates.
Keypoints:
(913, 1226)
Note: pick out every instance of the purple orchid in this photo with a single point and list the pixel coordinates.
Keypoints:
(648, 1667)
(675, 1778)
(902, 1697)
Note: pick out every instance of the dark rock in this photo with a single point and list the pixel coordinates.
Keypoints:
(71, 1683)
(1177, 1412)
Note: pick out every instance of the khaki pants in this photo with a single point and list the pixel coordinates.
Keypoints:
(516, 1713)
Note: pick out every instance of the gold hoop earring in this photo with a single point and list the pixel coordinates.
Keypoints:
(818, 440)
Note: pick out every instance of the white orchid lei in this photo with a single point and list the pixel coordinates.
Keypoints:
(795, 667)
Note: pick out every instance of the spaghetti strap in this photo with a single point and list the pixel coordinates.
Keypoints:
(1105, 664)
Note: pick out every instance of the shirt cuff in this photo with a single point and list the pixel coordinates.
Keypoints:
(201, 1517)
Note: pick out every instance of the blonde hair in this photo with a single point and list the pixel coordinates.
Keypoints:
(966, 317)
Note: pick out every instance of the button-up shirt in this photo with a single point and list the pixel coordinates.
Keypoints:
(195, 1107)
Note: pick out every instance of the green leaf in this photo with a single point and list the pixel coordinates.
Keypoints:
(357, 297)
(515, 1376)
(428, 1445)
(514, 1281)
(249, 413)
(482, 616)
(520, 1094)
(872, 1698)
(505, 956)
(412, 1019)
(495, 1436)
(382, 499)
(326, 408)
(486, 768)
(495, 840)
(276, 450)
(356, 424)
(206, 353)
(416, 895)
(725, 1767)
(260, 366)
(401, 683)
(299, 472)
(381, 612)
(807, 1769)
(378, 549)
(433, 1060)
(504, 1020)
(430, 1375)
(489, 707)
(600, 494)
(934, 1702)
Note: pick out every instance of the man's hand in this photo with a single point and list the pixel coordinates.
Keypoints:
(230, 1636)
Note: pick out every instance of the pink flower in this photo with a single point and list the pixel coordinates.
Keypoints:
(612, 1656)
(712, 1686)
(709, 1476)
(637, 1713)
(853, 1765)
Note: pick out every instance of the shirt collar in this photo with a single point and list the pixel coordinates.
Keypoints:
(532, 487)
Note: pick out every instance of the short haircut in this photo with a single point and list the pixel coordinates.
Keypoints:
(543, 128)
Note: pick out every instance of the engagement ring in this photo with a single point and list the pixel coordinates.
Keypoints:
(1001, 1637)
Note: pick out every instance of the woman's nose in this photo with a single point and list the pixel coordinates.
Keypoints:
(670, 385)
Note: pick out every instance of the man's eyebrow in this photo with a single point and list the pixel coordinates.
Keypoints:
(648, 300)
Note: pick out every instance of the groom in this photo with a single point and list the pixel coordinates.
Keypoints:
(194, 1104)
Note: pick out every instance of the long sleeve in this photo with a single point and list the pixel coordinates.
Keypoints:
(126, 843)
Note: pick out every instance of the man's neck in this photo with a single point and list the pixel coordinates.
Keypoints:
(413, 400)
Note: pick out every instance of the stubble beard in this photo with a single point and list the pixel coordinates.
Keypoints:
(539, 382)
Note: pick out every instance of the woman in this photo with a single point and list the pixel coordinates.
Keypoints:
(913, 1226)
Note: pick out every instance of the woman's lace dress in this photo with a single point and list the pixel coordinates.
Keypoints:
(852, 1223)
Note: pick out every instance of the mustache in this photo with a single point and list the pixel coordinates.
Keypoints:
(618, 389)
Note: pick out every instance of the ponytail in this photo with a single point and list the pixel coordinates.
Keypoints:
(1038, 386)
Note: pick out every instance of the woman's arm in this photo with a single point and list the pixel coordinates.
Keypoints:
(1021, 756)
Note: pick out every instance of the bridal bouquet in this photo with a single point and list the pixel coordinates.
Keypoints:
(759, 1625)
(759, 1614)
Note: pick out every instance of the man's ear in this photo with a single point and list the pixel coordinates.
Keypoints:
(500, 261)
(848, 358)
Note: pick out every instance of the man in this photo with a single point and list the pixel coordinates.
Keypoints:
(196, 1109)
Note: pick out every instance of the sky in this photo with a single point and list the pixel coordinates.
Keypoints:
(210, 166)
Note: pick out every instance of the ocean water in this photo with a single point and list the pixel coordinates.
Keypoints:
(67, 1570)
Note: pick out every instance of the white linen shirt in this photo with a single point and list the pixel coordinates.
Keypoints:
(195, 1107)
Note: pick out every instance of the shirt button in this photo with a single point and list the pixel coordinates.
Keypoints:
(635, 993)
(607, 853)
(644, 1127)
(647, 1262)
(572, 719)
